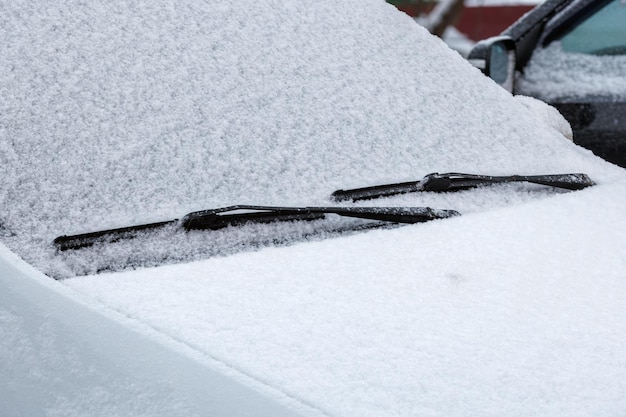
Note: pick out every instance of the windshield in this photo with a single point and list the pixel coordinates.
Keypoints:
(116, 114)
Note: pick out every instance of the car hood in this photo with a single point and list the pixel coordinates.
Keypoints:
(518, 309)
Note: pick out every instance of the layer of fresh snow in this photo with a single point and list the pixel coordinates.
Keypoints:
(117, 113)
(555, 74)
(60, 356)
(516, 312)
(549, 115)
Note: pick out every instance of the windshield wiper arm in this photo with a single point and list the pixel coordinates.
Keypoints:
(453, 181)
(222, 217)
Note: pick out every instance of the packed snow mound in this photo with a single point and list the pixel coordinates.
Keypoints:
(549, 115)
(118, 112)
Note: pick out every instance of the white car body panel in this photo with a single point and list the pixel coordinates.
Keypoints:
(62, 356)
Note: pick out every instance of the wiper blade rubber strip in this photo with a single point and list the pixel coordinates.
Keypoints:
(453, 181)
(222, 217)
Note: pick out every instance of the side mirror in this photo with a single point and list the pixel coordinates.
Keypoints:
(497, 58)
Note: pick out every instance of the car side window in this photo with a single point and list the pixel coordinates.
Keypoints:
(602, 33)
(582, 55)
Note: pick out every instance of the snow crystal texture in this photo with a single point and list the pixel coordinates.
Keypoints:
(118, 112)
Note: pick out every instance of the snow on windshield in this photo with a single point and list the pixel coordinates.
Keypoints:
(555, 74)
(118, 113)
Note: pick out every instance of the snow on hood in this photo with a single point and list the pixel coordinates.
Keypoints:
(117, 112)
(517, 311)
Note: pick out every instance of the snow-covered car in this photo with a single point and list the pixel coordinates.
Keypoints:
(504, 297)
(571, 54)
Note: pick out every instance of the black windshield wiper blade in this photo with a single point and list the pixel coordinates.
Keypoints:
(453, 181)
(222, 217)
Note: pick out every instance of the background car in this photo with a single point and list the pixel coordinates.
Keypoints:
(118, 113)
(571, 54)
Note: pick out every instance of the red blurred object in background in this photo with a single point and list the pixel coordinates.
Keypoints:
(475, 22)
